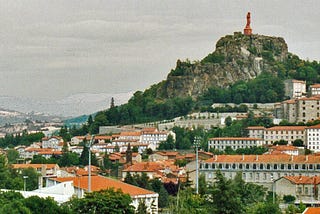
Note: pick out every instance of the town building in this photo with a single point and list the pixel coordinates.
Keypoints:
(256, 131)
(294, 88)
(54, 142)
(287, 133)
(221, 143)
(304, 188)
(302, 109)
(261, 169)
(314, 90)
(313, 138)
(80, 184)
(284, 149)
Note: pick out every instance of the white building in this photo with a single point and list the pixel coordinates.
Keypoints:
(314, 89)
(52, 142)
(99, 182)
(287, 133)
(221, 143)
(313, 138)
(295, 88)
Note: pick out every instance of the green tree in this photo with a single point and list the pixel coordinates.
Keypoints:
(103, 201)
(12, 155)
(142, 208)
(298, 142)
(39, 205)
(225, 199)
(163, 197)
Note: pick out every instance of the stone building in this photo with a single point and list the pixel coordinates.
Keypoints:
(287, 133)
(261, 169)
(299, 110)
(304, 188)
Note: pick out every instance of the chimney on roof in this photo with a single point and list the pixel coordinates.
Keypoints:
(215, 157)
(257, 157)
(243, 157)
(291, 158)
(307, 158)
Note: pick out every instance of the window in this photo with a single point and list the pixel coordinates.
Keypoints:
(275, 166)
(306, 190)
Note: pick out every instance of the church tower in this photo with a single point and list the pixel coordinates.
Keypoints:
(247, 30)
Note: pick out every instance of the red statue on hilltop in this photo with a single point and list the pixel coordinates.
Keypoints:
(247, 30)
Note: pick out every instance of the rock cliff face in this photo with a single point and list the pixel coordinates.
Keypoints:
(237, 57)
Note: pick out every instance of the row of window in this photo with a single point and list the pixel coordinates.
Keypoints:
(261, 166)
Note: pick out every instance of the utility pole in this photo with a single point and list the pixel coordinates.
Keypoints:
(89, 165)
(197, 142)
(25, 182)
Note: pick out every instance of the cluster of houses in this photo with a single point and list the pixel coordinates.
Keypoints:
(147, 138)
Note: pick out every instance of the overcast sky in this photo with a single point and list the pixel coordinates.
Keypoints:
(55, 49)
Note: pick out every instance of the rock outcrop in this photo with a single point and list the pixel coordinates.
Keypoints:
(237, 57)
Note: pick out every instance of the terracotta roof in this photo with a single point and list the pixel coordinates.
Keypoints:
(312, 210)
(314, 127)
(100, 182)
(36, 166)
(303, 179)
(255, 127)
(299, 81)
(234, 138)
(50, 153)
(284, 128)
(149, 129)
(289, 101)
(144, 167)
(284, 148)
(267, 158)
(315, 86)
(310, 98)
(130, 133)
(102, 137)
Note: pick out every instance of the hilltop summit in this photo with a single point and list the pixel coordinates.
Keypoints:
(236, 57)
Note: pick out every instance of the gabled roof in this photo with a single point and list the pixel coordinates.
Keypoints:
(234, 138)
(99, 183)
(36, 166)
(303, 179)
(285, 128)
(255, 128)
(268, 158)
(284, 148)
(312, 210)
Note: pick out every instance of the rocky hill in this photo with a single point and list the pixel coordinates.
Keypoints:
(236, 57)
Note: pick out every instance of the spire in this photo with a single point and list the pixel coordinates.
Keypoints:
(247, 30)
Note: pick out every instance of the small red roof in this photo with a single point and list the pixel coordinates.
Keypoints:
(312, 210)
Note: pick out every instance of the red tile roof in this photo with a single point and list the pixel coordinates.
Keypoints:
(256, 127)
(284, 148)
(284, 128)
(312, 210)
(99, 182)
(36, 166)
(303, 179)
(234, 138)
(268, 158)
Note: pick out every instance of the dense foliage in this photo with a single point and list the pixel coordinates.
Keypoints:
(24, 138)
(266, 88)
(103, 201)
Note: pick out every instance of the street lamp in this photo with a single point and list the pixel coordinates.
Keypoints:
(273, 192)
(89, 165)
(196, 143)
(25, 182)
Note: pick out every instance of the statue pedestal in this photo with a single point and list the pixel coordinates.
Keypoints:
(247, 31)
